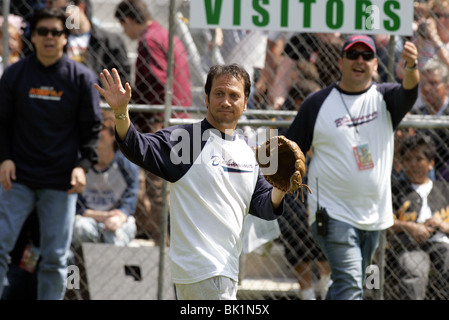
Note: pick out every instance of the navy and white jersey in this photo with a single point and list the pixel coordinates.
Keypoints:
(352, 139)
(214, 183)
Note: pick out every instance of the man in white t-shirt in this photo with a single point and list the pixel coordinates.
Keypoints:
(350, 127)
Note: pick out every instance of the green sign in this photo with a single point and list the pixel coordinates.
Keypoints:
(349, 16)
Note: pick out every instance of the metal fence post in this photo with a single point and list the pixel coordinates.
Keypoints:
(5, 10)
(168, 102)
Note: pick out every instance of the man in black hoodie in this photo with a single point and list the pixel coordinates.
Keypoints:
(50, 120)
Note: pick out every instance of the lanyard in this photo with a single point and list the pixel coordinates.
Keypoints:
(354, 123)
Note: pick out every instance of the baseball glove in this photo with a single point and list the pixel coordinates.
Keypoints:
(283, 164)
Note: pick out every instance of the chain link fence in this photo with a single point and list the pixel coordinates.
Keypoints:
(285, 68)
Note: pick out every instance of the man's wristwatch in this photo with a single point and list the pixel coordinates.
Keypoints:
(412, 68)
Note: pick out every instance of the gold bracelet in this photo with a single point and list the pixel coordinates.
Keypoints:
(121, 116)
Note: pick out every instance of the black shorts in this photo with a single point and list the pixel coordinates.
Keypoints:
(295, 233)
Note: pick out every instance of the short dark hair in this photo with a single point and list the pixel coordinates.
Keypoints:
(136, 10)
(234, 70)
(421, 142)
(49, 13)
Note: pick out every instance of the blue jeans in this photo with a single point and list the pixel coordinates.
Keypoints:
(56, 212)
(349, 251)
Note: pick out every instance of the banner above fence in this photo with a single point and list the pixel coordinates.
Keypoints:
(354, 16)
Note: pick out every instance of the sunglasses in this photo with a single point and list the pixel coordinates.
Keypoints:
(43, 31)
(354, 55)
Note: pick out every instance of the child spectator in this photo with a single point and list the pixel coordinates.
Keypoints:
(419, 237)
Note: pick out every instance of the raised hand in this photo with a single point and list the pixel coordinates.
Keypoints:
(410, 54)
(118, 98)
(113, 92)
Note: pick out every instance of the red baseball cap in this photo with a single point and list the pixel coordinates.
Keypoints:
(358, 38)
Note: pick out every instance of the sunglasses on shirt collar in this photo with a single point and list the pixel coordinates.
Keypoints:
(354, 55)
(43, 31)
